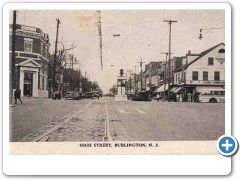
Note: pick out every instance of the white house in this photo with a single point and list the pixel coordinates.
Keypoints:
(206, 69)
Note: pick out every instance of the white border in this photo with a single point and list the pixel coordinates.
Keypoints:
(114, 165)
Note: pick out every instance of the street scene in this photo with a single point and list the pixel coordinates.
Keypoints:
(87, 120)
(107, 75)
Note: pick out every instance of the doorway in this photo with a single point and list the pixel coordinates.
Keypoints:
(28, 84)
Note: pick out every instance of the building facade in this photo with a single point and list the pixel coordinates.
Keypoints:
(205, 70)
(31, 60)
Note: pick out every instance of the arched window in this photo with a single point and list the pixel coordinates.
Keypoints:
(221, 51)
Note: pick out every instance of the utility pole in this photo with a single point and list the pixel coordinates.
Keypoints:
(165, 68)
(100, 36)
(169, 54)
(141, 71)
(72, 72)
(135, 78)
(12, 64)
(165, 73)
(55, 57)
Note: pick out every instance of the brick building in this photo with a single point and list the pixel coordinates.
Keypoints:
(31, 62)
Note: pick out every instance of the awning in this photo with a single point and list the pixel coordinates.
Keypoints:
(177, 90)
(200, 88)
(173, 89)
(161, 88)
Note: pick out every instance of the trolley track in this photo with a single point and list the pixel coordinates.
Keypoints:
(44, 137)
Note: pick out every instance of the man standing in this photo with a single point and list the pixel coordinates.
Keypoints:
(158, 97)
(17, 95)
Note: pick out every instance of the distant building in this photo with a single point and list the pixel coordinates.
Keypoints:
(32, 60)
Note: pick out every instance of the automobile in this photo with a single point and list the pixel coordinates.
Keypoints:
(71, 95)
(95, 96)
(129, 96)
(141, 96)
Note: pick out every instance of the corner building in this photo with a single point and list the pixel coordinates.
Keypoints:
(31, 60)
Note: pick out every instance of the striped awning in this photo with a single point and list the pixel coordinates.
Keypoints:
(173, 89)
(177, 90)
(161, 88)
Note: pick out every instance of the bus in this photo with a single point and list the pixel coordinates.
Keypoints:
(211, 95)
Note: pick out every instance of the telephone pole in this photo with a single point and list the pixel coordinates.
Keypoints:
(12, 64)
(135, 76)
(99, 23)
(141, 71)
(169, 55)
(55, 57)
(165, 73)
(165, 68)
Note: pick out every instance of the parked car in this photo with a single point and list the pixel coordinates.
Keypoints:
(141, 96)
(95, 96)
(72, 95)
(129, 96)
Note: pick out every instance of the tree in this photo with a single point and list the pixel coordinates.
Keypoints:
(113, 90)
(62, 54)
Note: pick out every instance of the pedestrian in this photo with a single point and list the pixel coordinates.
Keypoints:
(59, 95)
(17, 95)
(158, 97)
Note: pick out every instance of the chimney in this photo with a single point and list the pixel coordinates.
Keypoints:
(189, 52)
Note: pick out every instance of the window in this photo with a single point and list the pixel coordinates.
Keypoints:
(41, 49)
(195, 75)
(221, 51)
(216, 76)
(205, 76)
(222, 92)
(43, 83)
(210, 61)
(28, 45)
(216, 92)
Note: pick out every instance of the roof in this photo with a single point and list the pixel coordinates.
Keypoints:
(205, 52)
(200, 56)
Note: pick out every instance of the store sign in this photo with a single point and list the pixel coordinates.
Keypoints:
(28, 28)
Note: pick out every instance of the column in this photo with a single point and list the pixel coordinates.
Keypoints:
(21, 82)
(35, 83)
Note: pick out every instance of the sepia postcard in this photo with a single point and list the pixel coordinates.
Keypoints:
(93, 79)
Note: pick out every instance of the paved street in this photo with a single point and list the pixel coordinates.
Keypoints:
(86, 120)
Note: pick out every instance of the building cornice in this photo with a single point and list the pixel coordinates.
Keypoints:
(36, 54)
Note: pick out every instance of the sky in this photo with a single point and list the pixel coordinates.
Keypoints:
(143, 35)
